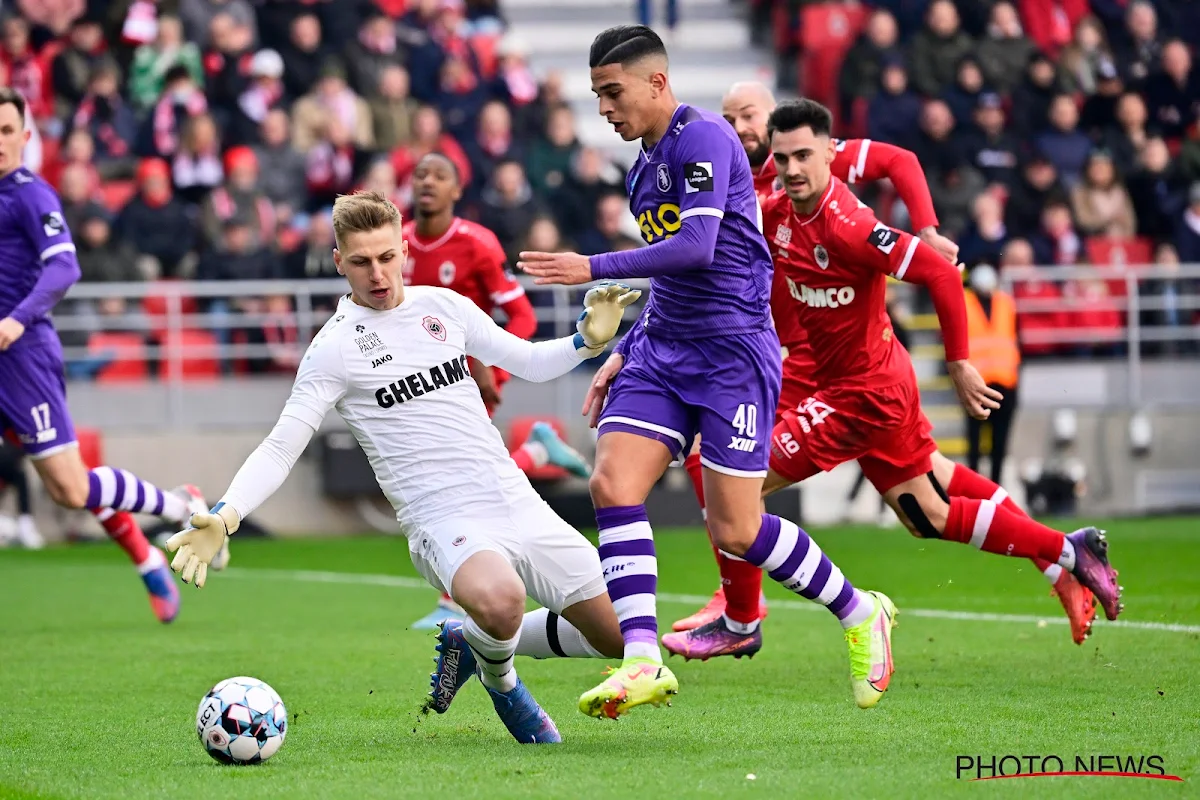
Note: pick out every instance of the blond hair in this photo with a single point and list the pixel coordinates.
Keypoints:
(361, 212)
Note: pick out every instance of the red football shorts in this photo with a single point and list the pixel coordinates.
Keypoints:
(798, 384)
(883, 429)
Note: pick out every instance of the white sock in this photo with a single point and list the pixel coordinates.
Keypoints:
(1067, 559)
(1052, 572)
(743, 628)
(862, 610)
(26, 526)
(154, 560)
(495, 657)
(538, 453)
(545, 634)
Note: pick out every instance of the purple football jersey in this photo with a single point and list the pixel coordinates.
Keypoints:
(32, 232)
(699, 169)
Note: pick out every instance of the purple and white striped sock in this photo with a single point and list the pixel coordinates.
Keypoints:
(631, 572)
(790, 557)
(124, 491)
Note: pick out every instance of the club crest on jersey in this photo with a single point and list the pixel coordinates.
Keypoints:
(435, 328)
(446, 273)
(822, 256)
(664, 178)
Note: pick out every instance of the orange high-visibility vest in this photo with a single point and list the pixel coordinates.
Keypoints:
(994, 349)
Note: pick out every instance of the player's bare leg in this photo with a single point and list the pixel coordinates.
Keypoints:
(627, 467)
(793, 559)
(1077, 600)
(484, 643)
(995, 529)
(111, 494)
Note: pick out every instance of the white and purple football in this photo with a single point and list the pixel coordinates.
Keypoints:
(241, 721)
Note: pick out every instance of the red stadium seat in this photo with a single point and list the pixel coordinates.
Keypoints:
(518, 432)
(157, 306)
(827, 31)
(129, 350)
(197, 351)
(91, 446)
(1130, 252)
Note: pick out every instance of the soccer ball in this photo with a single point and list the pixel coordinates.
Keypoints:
(241, 721)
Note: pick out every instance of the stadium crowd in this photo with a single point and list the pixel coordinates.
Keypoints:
(206, 139)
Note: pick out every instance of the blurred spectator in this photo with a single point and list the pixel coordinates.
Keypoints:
(101, 259)
(196, 167)
(545, 237)
(54, 15)
(392, 109)
(78, 196)
(646, 13)
(1173, 95)
(152, 63)
(862, 69)
(79, 149)
(227, 62)
(592, 176)
(304, 53)
(445, 38)
(993, 148)
(605, 234)
(937, 49)
(281, 167)
(954, 187)
(492, 143)
(375, 49)
(1005, 51)
(1057, 242)
(264, 93)
(1032, 98)
(181, 100)
(1187, 238)
(531, 121)
(331, 164)
(1100, 202)
(26, 72)
(1051, 22)
(1062, 143)
(73, 67)
(517, 84)
(1158, 190)
(314, 259)
(331, 100)
(936, 143)
(983, 240)
(239, 198)
(508, 207)
(550, 155)
(1100, 108)
(963, 96)
(1189, 155)
(428, 137)
(154, 222)
(1168, 293)
(1126, 138)
(461, 97)
(1141, 48)
(1038, 183)
(895, 111)
(237, 259)
(110, 121)
(1080, 61)
(381, 177)
(198, 15)
(1029, 284)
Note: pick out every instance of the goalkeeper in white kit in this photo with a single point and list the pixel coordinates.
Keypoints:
(393, 362)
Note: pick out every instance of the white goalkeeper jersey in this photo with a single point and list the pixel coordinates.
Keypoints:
(400, 380)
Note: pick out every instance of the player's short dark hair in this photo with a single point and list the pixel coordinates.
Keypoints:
(625, 44)
(438, 154)
(10, 96)
(792, 115)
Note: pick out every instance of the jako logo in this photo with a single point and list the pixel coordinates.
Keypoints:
(832, 297)
(381, 360)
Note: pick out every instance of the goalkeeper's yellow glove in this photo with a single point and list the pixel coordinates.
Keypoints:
(604, 305)
(199, 543)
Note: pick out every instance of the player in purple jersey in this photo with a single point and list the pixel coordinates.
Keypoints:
(37, 267)
(703, 359)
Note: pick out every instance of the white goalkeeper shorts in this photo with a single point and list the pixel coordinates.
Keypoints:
(557, 564)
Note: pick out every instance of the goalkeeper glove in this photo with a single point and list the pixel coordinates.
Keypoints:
(604, 305)
(199, 543)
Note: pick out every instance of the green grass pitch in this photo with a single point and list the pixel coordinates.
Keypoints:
(97, 700)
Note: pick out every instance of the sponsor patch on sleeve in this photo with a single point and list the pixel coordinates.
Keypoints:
(698, 176)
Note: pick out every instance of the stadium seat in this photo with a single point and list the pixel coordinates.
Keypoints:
(157, 307)
(91, 446)
(827, 31)
(198, 351)
(129, 356)
(518, 432)
(1131, 252)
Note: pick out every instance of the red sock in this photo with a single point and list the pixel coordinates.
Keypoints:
(696, 473)
(995, 529)
(523, 459)
(965, 482)
(123, 529)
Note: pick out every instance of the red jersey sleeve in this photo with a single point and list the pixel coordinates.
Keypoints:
(862, 239)
(860, 160)
(501, 285)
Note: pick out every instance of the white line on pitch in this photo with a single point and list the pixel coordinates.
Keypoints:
(400, 582)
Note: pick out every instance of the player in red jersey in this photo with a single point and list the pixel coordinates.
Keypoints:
(835, 255)
(444, 250)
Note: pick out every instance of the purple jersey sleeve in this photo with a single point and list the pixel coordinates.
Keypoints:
(41, 219)
(701, 162)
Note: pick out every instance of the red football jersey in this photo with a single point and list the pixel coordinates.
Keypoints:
(834, 266)
(468, 259)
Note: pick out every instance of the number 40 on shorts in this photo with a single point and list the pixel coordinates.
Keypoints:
(745, 421)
